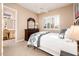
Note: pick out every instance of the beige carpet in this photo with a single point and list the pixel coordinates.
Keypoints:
(21, 49)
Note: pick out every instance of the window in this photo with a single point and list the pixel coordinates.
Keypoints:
(56, 21)
(51, 22)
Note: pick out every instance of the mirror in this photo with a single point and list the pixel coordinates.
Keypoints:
(30, 23)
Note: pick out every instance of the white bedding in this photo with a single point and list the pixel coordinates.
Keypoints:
(52, 44)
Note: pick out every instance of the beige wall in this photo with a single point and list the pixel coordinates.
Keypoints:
(0, 29)
(66, 16)
(22, 16)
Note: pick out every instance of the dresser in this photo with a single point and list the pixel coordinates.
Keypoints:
(28, 32)
(31, 28)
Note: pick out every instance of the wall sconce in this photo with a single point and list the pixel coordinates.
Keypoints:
(36, 26)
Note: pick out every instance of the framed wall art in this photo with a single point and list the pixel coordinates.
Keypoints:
(76, 10)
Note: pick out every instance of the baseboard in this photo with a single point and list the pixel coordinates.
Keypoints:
(20, 40)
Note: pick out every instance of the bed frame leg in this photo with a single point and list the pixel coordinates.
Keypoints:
(31, 46)
(34, 47)
(28, 46)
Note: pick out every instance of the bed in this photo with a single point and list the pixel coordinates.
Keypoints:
(52, 43)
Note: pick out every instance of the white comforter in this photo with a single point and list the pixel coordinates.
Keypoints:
(52, 44)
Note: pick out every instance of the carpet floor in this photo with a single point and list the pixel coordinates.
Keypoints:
(21, 49)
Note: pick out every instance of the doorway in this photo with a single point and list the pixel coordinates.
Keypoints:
(9, 25)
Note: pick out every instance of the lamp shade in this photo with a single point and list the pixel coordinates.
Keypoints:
(75, 32)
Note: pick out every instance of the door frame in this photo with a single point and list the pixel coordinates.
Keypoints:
(10, 8)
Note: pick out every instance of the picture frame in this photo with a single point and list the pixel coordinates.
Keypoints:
(76, 10)
(76, 22)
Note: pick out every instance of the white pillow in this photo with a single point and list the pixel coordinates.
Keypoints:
(68, 33)
(68, 40)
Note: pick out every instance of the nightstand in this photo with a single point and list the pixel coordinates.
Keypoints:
(78, 47)
(28, 32)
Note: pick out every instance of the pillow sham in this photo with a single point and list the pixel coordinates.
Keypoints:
(62, 33)
(68, 36)
(67, 33)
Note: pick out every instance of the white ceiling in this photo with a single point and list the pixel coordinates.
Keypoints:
(42, 7)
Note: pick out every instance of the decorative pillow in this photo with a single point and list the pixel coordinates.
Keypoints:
(62, 33)
(75, 32)
(70, 33)
(68, 36)
(67, 33)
